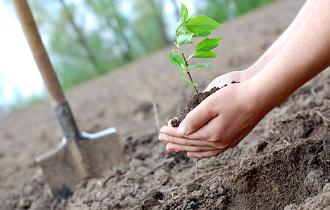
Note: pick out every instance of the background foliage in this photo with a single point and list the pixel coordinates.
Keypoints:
(88, 38)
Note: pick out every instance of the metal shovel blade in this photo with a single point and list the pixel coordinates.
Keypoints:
(77, 159)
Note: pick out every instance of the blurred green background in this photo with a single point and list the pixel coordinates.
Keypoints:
(88, 38)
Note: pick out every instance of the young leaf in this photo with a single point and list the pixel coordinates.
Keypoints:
(182, 75)
(181, 28)
(184, 39)
(204, 54)
(202, 25)
(208, 44)
(198, 65)
(186, 29)
(184, 12)
(181, 25)
(177, 59)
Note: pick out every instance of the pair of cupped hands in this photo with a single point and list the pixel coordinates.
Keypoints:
(220, 122)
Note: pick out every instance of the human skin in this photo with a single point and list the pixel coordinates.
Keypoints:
(223, 119)
(270, 53)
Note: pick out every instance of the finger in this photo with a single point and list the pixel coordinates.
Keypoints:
(184, 148)
(196, 118)
(205, 154)
(211, 132)
(183, 141)
(169, 130)
(208, 131)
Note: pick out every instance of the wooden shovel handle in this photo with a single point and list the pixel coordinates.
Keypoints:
(45, 67)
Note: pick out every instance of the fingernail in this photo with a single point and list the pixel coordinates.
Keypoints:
(168, 148)
(182, 128)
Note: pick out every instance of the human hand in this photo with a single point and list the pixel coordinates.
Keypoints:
(220, 122)
(228, 78)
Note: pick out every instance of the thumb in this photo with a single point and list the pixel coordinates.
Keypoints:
(198, 117)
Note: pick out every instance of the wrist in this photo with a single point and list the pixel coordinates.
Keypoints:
(263, 97)
(248, 73)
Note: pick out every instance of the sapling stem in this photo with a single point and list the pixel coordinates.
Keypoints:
(188, 73)
(187, 29)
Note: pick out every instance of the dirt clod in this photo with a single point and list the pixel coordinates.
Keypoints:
(194, 102)
(192, 187)
(24, 204)
(287, 173)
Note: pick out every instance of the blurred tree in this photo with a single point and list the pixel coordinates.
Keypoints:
(87, 38)
(149, 25)
(68, 55)
(119, 25)
(222, 10)
(218, 9)
(157, 12)
(107, 11)
(177, 10)
(120, 30)
(244, 6)
(81, 38)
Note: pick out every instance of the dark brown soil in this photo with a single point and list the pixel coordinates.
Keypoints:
(194, 102)
(282, 163)
(291, 168)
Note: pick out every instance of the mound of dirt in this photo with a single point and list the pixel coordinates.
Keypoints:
(283, 163)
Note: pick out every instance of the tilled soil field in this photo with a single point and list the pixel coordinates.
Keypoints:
(283, 163)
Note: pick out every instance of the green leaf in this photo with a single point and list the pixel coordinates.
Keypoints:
(184, 39)
(199, 65)
(184, 12)
(208, 44)
(202, 25)
(177, 59)
(181, 28)
(204, 54)
(178, 30)
(182, 75)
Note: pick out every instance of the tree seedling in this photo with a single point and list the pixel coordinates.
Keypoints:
(189, 28)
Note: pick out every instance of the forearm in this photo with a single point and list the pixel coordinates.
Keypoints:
(305, 55)
(281, 42)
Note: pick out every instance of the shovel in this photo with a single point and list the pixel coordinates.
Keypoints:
(80, 155)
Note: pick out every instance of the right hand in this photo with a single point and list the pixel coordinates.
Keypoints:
(238, 76)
